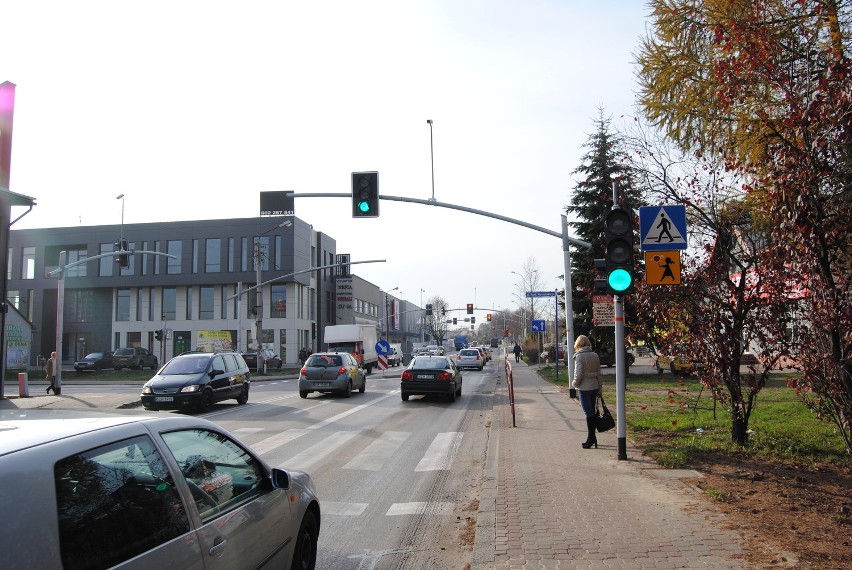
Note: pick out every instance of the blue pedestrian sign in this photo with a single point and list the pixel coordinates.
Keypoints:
(662, 228)
(537, 326)
(383, 347)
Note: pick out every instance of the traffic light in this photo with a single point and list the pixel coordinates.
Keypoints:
(488, 316)
(470, 308)
(122, 260)
(365, 194)
(455, 321)
(158, 334)
(472, 320)
(428, 309)
(443, 311)
(620, 270)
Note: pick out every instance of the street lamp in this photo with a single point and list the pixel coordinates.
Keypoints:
(121, 234)
(258, 258)
(432, 157)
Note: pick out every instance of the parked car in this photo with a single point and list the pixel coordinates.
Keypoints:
(678, 365)
(105, 490)
(94, 361)
(470, 358)
(135, 358)
(607, 356)
(336, 372)
(422, 351)
(394, 357)
(431, 375)
(436, 350)
(271, 359)
(197, 380)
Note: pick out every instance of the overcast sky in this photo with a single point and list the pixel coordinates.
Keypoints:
(191, 108)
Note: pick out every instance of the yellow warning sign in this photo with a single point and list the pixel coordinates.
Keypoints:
(662, 267)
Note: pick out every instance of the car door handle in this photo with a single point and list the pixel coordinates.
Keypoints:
(218, 549)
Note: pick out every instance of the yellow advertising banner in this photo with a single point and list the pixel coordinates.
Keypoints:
(662, 267)
(211, 341)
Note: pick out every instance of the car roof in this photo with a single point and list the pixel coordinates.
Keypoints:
(22, 429)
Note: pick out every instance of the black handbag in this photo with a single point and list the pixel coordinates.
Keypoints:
(605, 420)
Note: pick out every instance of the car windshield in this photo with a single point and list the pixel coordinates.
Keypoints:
(430, 364)
(467, 352)
(325, 360)
(93, 356)
(189, 365)
(123, 351)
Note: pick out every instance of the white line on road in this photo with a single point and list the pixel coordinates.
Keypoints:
(441, 452)
(373, 458)
(315, 453)
(419, 508)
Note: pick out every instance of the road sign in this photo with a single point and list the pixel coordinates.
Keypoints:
(383, 362)
(603, 311)
(662, 267)
(541, 293)
(662, 228)
(537, 326)
(383, 347)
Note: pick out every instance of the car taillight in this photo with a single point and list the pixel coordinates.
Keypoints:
(458, 357)
(303, 372)
(478, 356)
(342, 370)
(445, 376)
(407, 375)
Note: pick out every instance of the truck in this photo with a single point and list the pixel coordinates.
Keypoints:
(357, 340)
(460, 342)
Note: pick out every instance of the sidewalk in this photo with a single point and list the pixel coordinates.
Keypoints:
(547, 503)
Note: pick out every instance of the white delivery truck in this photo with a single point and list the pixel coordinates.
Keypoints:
(357, 340)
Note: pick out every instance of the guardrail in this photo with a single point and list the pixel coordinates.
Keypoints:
(510, 382)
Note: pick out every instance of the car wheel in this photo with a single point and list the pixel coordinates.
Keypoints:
(305, 555)
(630, 360)
(363, 385)
(659, 370)
(303, 394)
(117, 367)
(404, 397)
(347, 392)
(674, 370)
(451, 396)
(243, 397)
(458, 391)
(206, 401)
(155, 365)
(480, 368)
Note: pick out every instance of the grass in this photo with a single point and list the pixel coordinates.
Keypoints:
(674, 420)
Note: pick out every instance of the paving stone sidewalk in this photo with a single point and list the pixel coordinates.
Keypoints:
(547, 503)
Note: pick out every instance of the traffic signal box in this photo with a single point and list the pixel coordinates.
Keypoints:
(365, 194)
(470, 308)
(122, 260)
(618, 264)
(488, 316)
(158, 334)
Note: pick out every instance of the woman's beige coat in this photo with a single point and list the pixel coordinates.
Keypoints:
(587, 369)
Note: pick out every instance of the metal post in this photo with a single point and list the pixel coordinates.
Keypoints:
(432, 157)
(258, 305)
(569, 304)
(620, 377)
(556, 329)
(60, 309)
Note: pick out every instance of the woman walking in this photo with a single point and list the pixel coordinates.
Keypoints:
(587, 371)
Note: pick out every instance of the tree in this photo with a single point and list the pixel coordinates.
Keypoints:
(775, 83)
(530, 307)
(436, 323)
(601, 166)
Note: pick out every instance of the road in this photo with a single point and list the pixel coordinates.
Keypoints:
(398, 481)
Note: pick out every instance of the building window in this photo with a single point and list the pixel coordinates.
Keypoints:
(261, 252)
(122, 305)
(206, 295)
(157, 270)
(213, 256)
(189, 303)
(279, 251)
(74, 256)
(232, 250)
(105, 263)
(79, 306)
(251, 303)
(174, 247)
(223, 311)
(278, 302)
(195, 254)
(244, 254)
(139, 296)
(9, 264)
(282, 344)
(169, 303)
(144, 260)
(151, 304)
(28, 263)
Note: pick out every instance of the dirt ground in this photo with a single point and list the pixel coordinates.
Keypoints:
(790, 517)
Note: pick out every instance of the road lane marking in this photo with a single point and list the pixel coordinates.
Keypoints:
(242, 432)
(420, 508)
(377, 453)
(441, 452)
(277, 440)
(343, 509)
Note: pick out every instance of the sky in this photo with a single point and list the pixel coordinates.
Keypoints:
(191, 108)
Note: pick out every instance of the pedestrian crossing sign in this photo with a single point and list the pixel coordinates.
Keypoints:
(662, 228)
(662, 267)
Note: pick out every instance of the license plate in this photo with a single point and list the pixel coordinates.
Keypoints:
(164, 399)
(322, 384)
(424, 377)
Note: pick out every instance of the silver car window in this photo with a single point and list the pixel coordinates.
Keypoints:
(220, 474)
(115, 502)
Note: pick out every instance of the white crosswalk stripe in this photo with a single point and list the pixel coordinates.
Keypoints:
(270, 443)
(316, 453)
(441, 452)
(377, 453)
(419, 508)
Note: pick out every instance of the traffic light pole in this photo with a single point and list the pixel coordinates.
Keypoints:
(620, 377)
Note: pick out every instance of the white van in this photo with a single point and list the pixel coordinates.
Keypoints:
(395, 355)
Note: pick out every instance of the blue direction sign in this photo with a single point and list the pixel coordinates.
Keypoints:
(541, 293)
(537, 326)
(662, 228)
(383, 347)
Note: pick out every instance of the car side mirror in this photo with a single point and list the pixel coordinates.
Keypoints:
(280, 478)
(213, 373)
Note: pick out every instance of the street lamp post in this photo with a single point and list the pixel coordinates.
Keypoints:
(432, 157)
(258, 262)
(422, 310)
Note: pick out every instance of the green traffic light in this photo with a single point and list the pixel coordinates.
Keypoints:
(364, 206)
(620, 280)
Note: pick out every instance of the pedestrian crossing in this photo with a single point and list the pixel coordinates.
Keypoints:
(439, 455)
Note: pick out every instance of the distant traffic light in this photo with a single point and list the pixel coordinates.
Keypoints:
(443, 311)
(428, 309)
(455, 321)
(470, 308)
(472, 320)
(158, 334)
(365, 194)
(122, 260)
(488, 316)
(618, 239)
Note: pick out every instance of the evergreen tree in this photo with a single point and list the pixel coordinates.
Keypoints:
(602, 165)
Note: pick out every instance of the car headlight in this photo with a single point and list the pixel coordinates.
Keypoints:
(147, 390)
(192, 388)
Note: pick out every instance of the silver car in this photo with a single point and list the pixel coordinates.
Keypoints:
(470, 358)
(97, 489)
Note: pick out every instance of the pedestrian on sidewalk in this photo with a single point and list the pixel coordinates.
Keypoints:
(587, 371)
(50, 373)
(517, 351)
